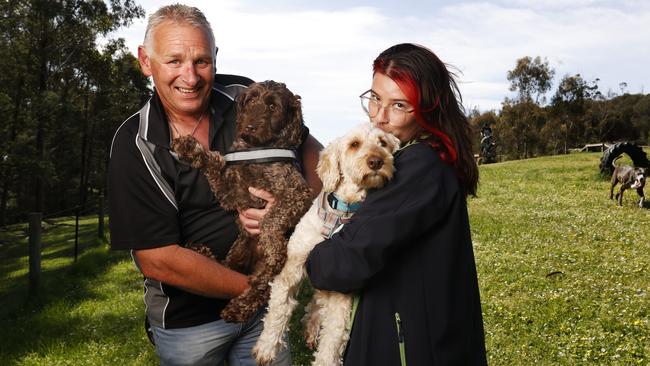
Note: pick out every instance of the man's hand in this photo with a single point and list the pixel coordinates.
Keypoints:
(250, 218)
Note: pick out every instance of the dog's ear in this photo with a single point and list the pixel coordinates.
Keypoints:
(240, 99)
(393, 142)
(328, 167)
(296, 105)
(293, 129)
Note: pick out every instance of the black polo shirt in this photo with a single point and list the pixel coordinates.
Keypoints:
(155, 200)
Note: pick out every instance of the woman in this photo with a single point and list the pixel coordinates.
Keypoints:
(407, 252)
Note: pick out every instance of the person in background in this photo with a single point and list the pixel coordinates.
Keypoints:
(160, 206)
(407, 251)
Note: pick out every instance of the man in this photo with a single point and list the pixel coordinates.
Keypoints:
(159, 205)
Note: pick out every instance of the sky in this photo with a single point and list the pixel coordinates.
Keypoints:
(323, 50)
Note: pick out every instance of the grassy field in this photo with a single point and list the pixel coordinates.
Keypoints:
(563, 274)
(563, 271)
(86, 313)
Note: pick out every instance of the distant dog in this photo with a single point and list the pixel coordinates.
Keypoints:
(630, 178)
(269, 126)
(348, 167)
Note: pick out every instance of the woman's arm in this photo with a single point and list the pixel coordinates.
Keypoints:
(391, 219)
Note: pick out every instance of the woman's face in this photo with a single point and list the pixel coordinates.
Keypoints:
(391, 116)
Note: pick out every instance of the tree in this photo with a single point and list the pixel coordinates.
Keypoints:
(568, 107)
(49, 98)
(531, 79)
(521, 117)
(618, 123)
(578, 113)
(518, 129)
(641, 118)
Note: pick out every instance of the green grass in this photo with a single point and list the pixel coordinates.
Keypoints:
(563, 273)
(85, 313)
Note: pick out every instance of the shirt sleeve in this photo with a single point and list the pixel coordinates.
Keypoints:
(141, 216)
(390, 220)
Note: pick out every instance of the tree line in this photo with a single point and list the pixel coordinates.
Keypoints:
(65, 88)
(578, 113)
(62, 96)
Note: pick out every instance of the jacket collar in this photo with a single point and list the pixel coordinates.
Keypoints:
(155, 127)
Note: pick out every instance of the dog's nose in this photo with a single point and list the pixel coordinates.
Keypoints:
(375, 163)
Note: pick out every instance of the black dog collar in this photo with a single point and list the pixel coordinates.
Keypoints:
(270, 155)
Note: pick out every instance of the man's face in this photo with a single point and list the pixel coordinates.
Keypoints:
(181, 63)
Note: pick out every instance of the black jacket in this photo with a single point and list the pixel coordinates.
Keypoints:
(408, 253)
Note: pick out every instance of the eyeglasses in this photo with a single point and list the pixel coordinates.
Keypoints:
(397, 111)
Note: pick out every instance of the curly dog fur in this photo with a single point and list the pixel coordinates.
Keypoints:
(348, 167)
(268, 115)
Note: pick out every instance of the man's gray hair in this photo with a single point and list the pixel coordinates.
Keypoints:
(180, 14)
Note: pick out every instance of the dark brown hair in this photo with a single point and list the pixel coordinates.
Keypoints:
(430, 87)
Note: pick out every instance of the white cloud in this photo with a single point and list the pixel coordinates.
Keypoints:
(326, 55)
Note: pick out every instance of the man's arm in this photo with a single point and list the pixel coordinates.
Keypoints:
(190, 271)
(143, 218)
(310, 152)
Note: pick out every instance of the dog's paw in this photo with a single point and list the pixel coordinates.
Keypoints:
(202, 249)
(235, 313)
(311, 325)
(237, 263)
(311, 338)
(189, 149)
(264, 355)
(232, 316)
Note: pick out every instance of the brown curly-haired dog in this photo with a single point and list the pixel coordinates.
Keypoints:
(268, 116)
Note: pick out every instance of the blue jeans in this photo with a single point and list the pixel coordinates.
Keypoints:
(212, 343)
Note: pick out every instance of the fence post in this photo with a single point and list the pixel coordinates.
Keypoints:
(34, 251)
(100, 218)
(76, 234)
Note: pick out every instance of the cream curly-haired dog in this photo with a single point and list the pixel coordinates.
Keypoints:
(348, 167)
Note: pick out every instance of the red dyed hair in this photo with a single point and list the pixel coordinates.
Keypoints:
(431, 89)
(406, 82)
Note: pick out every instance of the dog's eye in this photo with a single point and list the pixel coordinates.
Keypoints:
(272, 106)
(354, 144)
(382, 143)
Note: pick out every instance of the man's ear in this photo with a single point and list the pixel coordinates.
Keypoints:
(145, 61)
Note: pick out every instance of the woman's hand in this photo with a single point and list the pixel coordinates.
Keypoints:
(250, 218)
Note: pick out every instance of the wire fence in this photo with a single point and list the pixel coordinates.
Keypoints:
(53, 220)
